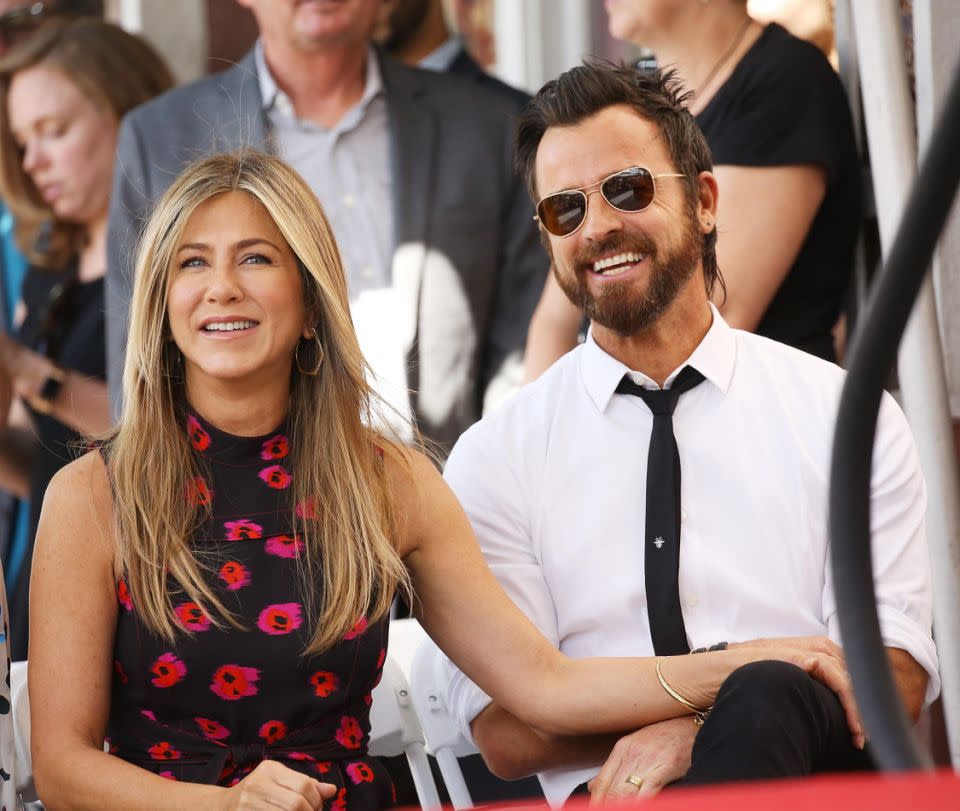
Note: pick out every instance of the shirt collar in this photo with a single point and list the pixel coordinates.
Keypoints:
(273, 98)
(443, 56)
(714, 358)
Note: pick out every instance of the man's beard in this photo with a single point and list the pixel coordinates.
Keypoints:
(617, 307)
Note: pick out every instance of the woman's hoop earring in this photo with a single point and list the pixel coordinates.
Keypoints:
(319, 362)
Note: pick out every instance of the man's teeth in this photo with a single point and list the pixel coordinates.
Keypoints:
(229, 326)
(612, 261)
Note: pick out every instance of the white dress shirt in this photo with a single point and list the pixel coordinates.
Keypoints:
(348, 167)
(554, 484)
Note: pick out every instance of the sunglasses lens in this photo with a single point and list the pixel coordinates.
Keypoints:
(629, 190)
(561, 214)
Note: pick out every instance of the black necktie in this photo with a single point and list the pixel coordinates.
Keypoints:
(662, 541)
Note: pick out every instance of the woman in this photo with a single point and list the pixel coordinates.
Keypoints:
(62, 95)
(778, 124)
(211, 588)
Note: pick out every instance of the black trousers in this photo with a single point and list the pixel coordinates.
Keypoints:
(771, 720)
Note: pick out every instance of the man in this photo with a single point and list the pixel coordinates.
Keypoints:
(416, 33)
(414, 172)
(573, 488)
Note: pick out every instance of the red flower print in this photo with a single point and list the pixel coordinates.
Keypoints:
(359, 773)
(123, 595)
(340, 803)
(212, 729)
(118, 669)
(306, 508)
(322, 766)
(276, 477)
(198, 492)
(368, 699)
(235, 575)
(284, 546)
(191, 617)
(199, 438)
(299, 756)
(323, 683)
(275, 448)
(349, 734)
(242, 530)
(168, 775)
(167, 670)
(163, 751)
(357, 629)
(279, 619)
(273, 731)
(381, 658)
(233, 682)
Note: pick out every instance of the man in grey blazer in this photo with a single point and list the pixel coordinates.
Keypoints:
(415, 172)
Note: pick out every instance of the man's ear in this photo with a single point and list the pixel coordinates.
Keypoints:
(708, 199)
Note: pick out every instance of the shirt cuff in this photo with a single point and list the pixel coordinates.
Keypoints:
(464, 699)
(900, 631)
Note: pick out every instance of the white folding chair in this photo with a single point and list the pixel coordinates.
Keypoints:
(428, 681)
(394, 730)
(23, 764)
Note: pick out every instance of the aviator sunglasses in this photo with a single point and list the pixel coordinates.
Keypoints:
(628, 190)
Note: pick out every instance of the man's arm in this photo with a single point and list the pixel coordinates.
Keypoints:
(911, 680)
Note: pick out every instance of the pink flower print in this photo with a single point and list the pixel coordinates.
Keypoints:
(149, 715)
(306, 508)
(280, 618)
(275, 448)
(168, 774)
(118, 669)
(199, 438)
(359, 773)
(284, 546)
(242, 530)
(212, 729)
(324, 683)
(357, 629)
(191, 617)
(167, 670)
(163, 751)
(273, 731)
(235, 575)
(348, 734)
(276, 477)
(300, 756)
(198, 491)
(233, 682)
(123, 595)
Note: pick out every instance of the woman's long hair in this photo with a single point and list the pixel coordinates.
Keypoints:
(117, 71)
(340, 499)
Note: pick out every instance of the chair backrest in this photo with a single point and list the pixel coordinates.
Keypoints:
(20, 706)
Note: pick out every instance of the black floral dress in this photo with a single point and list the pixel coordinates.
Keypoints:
(213, 705)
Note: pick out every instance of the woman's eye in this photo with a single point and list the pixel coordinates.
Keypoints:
(255, 259)
(192, 262)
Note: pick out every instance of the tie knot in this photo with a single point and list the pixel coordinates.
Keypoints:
(662, 402)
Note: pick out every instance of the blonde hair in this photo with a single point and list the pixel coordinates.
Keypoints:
(117, 71)
(339, 461)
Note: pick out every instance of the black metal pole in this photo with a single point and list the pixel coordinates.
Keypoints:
(872, 353)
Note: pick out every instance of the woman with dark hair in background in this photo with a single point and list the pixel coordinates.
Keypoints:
(63, 92)
(778, 124)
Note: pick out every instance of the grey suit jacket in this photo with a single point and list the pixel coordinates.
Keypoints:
(467, 258)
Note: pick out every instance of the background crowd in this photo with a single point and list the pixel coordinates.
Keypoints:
(407, 142)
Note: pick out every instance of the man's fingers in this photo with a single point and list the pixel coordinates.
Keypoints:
(655, 780)
(838, 680)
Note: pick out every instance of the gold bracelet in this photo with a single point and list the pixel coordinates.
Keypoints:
(699, 713)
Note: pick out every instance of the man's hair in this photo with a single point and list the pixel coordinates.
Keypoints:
(655, 95)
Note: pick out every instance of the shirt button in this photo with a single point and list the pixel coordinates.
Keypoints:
(349, 200)
(683, 516)
(693, 600)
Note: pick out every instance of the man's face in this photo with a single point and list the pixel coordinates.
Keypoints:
(403, 20)
(312, 25)
(656, 251)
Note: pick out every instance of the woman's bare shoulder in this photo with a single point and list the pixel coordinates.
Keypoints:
(79, 498)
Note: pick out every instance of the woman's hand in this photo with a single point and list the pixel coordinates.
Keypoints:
(273, 785)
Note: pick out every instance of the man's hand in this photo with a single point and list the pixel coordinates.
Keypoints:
(814, 644)
(658, 754)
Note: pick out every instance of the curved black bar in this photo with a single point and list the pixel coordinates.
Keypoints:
(872, 353)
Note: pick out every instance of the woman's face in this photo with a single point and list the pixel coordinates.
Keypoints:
(235, 299)
(638, 21)
(68, 143)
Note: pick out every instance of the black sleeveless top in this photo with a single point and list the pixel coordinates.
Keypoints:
(211, 706)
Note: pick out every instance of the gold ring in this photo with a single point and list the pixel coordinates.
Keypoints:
(637, 781)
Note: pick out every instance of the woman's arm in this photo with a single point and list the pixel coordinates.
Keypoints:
(82, 401)
(73, 611)
(763, 219)
(553, 330)
(469, 616)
